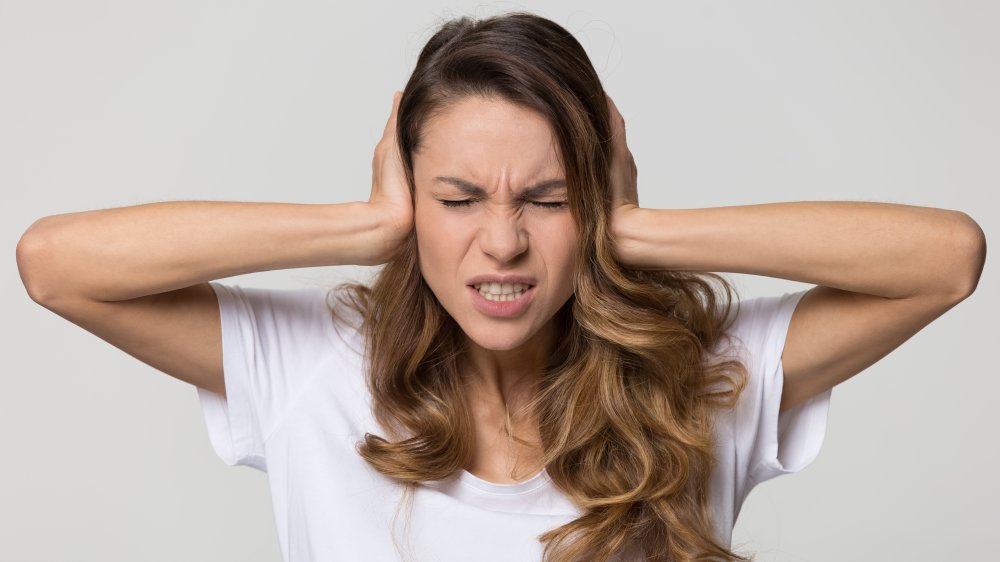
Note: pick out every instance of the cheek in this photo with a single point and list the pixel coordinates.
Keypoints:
(426, 224)
(568, 267)
(428, 248)
(557, 240)
(563, 236)
(438, 244)
(569, 240)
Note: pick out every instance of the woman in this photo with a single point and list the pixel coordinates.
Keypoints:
(542, 367)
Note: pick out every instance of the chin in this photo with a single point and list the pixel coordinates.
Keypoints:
(494, 341)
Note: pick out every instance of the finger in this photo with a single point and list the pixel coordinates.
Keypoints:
(390, 125)
(617, 121)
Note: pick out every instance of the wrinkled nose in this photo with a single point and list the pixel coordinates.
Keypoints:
(502, 236)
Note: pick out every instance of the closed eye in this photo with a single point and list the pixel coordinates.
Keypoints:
(550, 204)
(541, 204)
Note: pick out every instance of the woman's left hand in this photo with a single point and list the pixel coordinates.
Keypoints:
(624, 174)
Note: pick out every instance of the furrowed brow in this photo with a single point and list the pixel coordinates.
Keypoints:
(474, 190)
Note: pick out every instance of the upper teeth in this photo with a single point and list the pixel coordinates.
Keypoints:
(501, 288)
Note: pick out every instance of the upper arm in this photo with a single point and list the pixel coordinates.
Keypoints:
(835, 334)
(177, 332)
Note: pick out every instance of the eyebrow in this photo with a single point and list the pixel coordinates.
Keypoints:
(472, 189)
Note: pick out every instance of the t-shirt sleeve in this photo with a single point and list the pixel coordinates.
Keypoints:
(268, 339)
(770, 443)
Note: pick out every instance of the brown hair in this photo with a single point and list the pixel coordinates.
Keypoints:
(625, 405)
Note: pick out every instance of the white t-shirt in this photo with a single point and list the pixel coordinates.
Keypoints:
(297, 404)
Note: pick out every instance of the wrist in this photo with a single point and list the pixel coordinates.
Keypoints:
(390, 228)
(627, 228)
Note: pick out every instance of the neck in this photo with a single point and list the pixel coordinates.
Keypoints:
(508, 377)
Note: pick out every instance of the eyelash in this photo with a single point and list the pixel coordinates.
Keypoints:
(554, 205)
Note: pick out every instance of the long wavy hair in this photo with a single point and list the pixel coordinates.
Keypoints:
(625, 405)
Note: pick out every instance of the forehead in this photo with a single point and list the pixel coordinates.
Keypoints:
(489, 137)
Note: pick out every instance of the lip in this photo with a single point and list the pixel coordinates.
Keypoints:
(502, 309)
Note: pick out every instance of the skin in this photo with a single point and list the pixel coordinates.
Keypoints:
(503, 148)
(881, 271)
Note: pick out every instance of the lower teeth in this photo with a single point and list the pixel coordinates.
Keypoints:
(502, 298)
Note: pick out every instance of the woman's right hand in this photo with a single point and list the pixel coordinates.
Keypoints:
(390, 196)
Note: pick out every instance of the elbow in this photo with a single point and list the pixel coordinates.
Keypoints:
(30, 254)
(970, 254)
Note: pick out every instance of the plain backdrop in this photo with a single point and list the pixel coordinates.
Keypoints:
(106, 104)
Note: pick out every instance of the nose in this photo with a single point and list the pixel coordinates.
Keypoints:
(502, 236)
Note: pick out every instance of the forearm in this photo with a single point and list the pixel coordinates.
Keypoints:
(129, 252)
(881, 249)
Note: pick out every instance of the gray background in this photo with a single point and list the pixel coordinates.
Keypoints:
(107, 104)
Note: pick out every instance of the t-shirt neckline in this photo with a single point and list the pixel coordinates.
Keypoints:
(540, 479)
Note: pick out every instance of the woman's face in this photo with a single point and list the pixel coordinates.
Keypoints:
(502, 163)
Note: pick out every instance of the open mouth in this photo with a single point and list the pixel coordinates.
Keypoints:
(497, 292)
